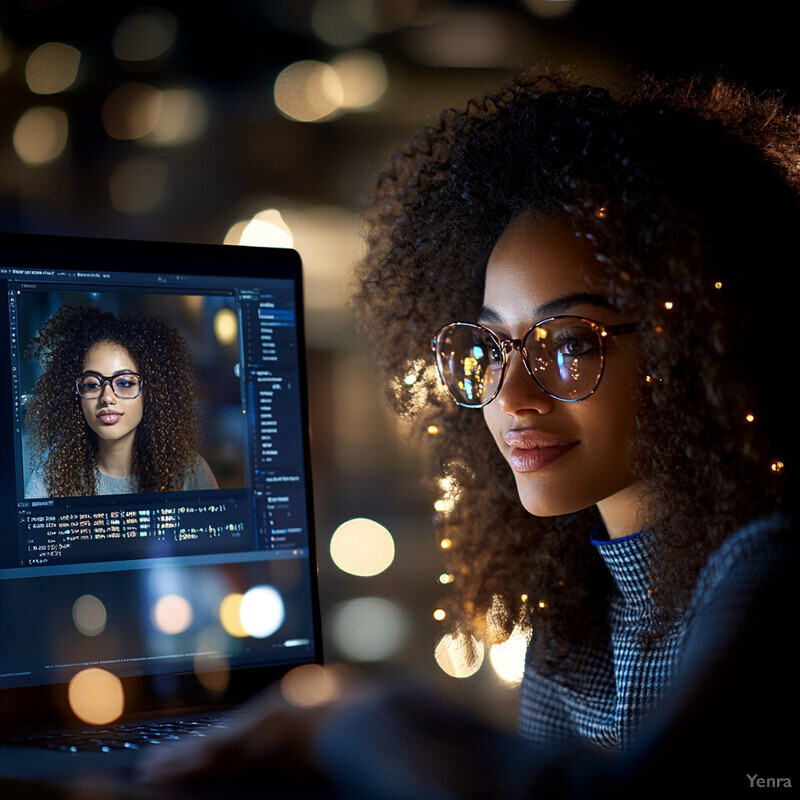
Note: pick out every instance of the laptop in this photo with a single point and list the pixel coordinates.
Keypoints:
(126, 602)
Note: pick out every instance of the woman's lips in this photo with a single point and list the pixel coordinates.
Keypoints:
(109, 417)
(531, 450)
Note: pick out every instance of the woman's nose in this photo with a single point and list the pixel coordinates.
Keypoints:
(107, 394)
(520, 394)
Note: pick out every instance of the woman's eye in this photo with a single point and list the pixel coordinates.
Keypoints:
(576, 347)
(89, 385)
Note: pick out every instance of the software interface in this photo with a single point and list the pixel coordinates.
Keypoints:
(235, 520)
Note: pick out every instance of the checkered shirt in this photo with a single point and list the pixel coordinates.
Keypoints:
(617, 685)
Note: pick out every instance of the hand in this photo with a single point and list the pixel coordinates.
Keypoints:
(277, 730)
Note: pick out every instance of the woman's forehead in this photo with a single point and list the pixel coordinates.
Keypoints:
(108, 352)
(536, 262)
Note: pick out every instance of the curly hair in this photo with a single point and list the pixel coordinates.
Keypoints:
(168, 436)
(688, 192)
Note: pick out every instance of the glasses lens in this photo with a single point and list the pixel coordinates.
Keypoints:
(470, 362)
(90, 387)
(566, 356)
(127, 385)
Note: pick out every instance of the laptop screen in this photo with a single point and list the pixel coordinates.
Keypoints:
(156, 509)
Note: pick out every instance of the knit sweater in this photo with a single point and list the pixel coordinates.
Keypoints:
(617, 684)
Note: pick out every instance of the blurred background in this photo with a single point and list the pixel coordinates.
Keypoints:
(265, 122)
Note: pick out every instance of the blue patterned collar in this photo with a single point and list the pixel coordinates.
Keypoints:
(629, 561)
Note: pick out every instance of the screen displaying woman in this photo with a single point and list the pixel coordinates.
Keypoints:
(115, 409)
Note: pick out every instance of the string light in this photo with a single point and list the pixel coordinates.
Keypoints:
(446, 577)
(777, 466)
(446, 544)
(668, 305)
(439, 614)
(542, 604)
(750, 417)
(718, 285)
(433, 429)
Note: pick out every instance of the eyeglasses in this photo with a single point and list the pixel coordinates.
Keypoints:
(125, 385)
(564, 355)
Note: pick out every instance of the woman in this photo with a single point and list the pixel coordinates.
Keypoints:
(114, 410)
(601, 275)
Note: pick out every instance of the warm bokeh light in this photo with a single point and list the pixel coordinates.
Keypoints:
(261, 611)
(363, 77)
(52, 68)
(453, 656)
(439, 614)
(368, 628)
(550, 8)
(229, 615)
(96, 696)
(308, 91)
(333, 22)
(327, 237)
(210, 662)
(226, 326)
(144, 35)
(172, 614)
(89, 615)
(311, 685)
(132, 111)
(362, 547)
(508, 658)
(183, 118)
(266, 229)
(40, 135)
(138, 185)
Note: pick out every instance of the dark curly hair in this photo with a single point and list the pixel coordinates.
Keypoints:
(169, 434)
(688, 192)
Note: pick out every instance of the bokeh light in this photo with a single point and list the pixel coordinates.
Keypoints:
(138, 185)
(96, 696)
(311, 685)
(454, 657)
(508, 658)
(261, 611)
(132, 111)
(210, 663)
(52, 68)
(230, 617)
(144, 35)
(89, 615)
(368, 628)
(172, 614)
(266, 229)
(363, 77)
(40, 135)
(362, 547)
(550, 8)
(226, 326)
(333, 22)
(308, 91)
(183, 118)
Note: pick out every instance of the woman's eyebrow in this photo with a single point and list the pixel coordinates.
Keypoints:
(569, 302)
(561, 305)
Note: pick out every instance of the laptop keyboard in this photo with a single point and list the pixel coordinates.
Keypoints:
(123, 736)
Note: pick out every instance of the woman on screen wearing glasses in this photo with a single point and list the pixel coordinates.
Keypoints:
(114, 410)
(600, 276)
